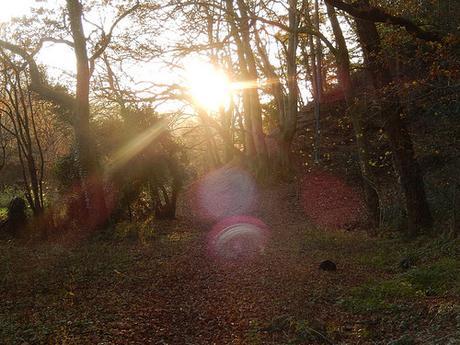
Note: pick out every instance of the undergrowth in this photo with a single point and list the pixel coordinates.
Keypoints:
(434, 271)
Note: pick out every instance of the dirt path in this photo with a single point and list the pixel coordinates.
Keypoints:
(278, 297)
(170, 291)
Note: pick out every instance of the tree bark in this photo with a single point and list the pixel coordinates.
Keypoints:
(79, 105)
(362, 10)
(289, 125)
(255, 114)
(319, 83)
(88, 163)
(362, 140)
(250, 147)
(274, 83)
(286, 105)
(395, 127)
(18, 106)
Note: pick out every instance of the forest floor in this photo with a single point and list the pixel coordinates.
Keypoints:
(167, 290)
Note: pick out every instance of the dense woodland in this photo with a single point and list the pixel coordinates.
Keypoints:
(246, 141)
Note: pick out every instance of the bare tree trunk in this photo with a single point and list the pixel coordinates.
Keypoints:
(312, 67)
(79, 106)
(275, 86)
(318, 55)
(289, 125)
(395, 126)
(286, 106)
(250, 146)
(281, 111)
(255, 114)
(18, 106)
(226, 120)
(362, 140)
(87, 158)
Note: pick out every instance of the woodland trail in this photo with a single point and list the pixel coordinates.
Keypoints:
(170, 291)
(279, 297)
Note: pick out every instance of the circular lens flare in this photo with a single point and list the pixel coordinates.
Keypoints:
(225, 192)
(238, 238)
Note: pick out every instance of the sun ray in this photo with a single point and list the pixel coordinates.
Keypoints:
(135, 146)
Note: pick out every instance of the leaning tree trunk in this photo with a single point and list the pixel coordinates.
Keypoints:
(250, 147)
(255, 113)
(395, 127)
(362, 139)
(289, 124)
(276, 89)
(286, 105)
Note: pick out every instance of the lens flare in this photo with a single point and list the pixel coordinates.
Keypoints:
(135, 146)
(238, 238)
(225, 192)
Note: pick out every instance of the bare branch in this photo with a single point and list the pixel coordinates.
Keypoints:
(377, 15)
(56, 40)
(302, 30)
(37, 84)
(105, 39)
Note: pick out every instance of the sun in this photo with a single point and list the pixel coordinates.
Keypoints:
(209, 86)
